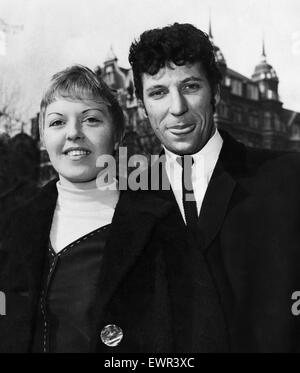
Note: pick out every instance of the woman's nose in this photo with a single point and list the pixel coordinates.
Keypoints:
(74, 130)
(178, 105)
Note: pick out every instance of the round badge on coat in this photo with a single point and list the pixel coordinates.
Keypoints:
(111, 335)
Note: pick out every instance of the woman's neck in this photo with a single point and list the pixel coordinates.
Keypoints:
(86, 185)
(86, 196)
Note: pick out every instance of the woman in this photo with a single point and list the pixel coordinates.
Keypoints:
(80, 120)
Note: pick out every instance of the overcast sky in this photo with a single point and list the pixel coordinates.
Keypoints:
(58, 33)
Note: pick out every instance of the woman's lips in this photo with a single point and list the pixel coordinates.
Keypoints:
(77, 154)
(182, 129)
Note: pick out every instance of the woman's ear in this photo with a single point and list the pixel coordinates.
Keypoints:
(42, 142)
(41, 129)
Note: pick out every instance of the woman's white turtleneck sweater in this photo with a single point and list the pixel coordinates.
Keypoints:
(81, 209)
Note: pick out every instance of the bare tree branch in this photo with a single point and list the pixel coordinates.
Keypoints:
(13, 110)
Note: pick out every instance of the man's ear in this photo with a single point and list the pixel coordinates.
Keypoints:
(145, 112)
(116, 145)
(217, 95)
(119, 137)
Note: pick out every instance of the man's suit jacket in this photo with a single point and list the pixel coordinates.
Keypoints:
(151, 281)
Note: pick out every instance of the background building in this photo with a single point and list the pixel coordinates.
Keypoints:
(250, 109)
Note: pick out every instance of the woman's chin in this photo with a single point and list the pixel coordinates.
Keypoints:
(77, 179)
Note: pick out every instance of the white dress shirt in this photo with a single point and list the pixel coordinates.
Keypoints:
(204, 163)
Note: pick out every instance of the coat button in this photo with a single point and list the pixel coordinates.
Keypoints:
(111, 335)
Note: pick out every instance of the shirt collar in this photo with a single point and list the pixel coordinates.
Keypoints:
(210, 152)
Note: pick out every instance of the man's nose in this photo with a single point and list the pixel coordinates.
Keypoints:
(178, 105)
(74, 130)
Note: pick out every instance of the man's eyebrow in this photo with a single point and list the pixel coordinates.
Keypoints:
(188, 79)
(156, 86)
(192, 78)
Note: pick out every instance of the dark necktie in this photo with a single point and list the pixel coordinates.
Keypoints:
(204, 314)
(188, 197)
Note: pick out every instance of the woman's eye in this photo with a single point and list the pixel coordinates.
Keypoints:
(56, 123)
(92, 120)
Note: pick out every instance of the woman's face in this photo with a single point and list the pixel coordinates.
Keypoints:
(75, 134)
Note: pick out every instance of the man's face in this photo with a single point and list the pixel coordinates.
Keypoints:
(178, 102)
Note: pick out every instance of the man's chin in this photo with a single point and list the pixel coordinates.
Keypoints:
(183, 149)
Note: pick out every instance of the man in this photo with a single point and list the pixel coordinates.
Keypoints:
(232, 275)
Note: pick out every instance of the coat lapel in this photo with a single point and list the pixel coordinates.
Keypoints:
(219, 193)
(128, 236)
(220, 190)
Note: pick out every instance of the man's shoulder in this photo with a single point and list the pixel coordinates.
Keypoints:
(255, 159)
(272, 173)
(278, 162)
(261, 171)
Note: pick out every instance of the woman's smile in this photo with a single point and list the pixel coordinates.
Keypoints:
(76, 153)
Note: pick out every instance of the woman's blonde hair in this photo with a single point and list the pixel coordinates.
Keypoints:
(80, 83)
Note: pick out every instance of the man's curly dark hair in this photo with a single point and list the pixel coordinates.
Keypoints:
(177, 43)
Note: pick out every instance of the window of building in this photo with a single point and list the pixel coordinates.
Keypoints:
(262, 87)
(253, 119)
(227, 81)
(271, 95)
(277, 123)
(267, 120)
(296, 131)
(222, 109)
(237, 87)
(237, 114)
(252, 92)
(109, 75)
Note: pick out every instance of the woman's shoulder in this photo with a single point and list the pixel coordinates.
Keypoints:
(27, 211)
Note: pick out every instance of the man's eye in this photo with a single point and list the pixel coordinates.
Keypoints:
(56, 123)
(158, 94)
(191, 87)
